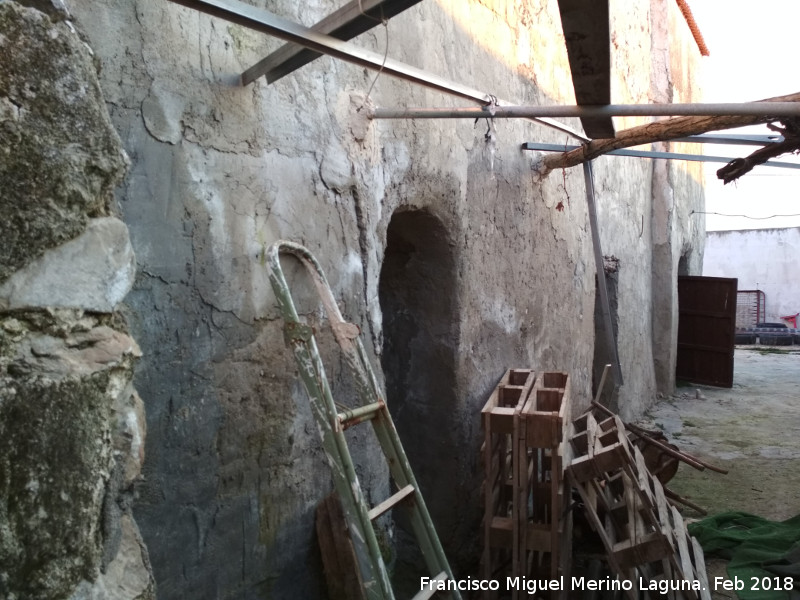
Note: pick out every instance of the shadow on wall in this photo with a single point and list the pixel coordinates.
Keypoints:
(683, 264)
(417, 296)
(603, 353)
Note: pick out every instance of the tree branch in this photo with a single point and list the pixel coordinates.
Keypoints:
(658, 131)
(740, 166)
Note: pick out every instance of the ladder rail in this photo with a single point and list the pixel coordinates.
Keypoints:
(300, 337)
(312, 373)
(346, 334)
(421, 522)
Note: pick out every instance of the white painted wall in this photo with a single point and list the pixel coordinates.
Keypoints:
(764, 259)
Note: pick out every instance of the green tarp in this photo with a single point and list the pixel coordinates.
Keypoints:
(762, 554)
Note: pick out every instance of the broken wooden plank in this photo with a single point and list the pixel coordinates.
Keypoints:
(675, 497)
(627, 506)
(339, 563)
(642, 434)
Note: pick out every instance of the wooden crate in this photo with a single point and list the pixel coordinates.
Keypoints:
(500, 422)
(527, 531)
(544, 523)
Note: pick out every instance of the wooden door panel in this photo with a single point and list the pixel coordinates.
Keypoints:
(706, 330)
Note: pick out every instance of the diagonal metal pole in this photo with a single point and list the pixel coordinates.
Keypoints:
(354, 18)
(757, 109)
(655, 154)
(601, 278)
(271, 24)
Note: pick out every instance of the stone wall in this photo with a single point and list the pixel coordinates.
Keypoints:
(500, 264)
(72, 426)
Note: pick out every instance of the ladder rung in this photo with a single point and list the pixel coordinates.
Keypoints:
(399, 496)
(431, 590)
(354, 416)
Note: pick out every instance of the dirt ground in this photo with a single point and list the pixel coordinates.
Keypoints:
(752, 430)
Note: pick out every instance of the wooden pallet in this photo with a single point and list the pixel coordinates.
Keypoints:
(544, 524)
(500, 421)
(527, 531)
(643, 535)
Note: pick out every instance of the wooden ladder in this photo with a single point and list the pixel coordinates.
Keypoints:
(332, 422)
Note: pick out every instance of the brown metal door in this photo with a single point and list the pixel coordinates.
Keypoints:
(706, 330)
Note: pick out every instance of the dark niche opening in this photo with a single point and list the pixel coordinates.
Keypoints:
(417, 296)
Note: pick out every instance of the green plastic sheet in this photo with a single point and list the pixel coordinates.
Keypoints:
(762, 553)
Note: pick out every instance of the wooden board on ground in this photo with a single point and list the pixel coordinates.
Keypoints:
(338, 557)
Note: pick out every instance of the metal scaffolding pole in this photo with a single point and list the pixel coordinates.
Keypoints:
(770, 109)
(545, 147)
(731, 139)
(599, 264)
(271, 24)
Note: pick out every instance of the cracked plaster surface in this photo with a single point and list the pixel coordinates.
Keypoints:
(219, 172)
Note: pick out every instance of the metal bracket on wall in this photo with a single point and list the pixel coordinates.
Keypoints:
(346, 23)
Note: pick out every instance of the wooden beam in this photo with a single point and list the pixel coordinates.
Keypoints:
(346, 23)
(586, 33)
(658, 131)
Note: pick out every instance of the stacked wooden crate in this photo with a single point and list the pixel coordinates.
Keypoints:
(527, 530)
(644, 537)
(500, 421)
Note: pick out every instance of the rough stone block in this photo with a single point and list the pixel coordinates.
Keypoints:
(60, 157)
(92, 272)
(129, 436)
(127, 576)
(61, 373)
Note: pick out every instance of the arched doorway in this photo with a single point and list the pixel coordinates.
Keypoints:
(417, 292)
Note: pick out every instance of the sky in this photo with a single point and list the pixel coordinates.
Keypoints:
(753, 49)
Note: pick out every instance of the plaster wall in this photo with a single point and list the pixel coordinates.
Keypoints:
(677, 191)
(761, 259)
(644, 205)
(218, 172)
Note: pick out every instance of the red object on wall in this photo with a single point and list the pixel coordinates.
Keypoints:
(792, 319)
